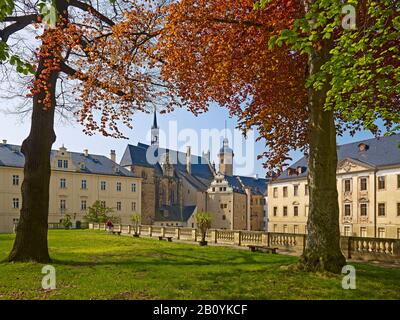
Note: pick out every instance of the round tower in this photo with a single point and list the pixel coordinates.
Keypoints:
(225, 157)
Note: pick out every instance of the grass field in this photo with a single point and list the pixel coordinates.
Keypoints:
(95, 265)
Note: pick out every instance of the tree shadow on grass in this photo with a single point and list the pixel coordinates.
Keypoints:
(179, 258)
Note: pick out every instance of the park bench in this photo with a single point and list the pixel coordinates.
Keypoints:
(254, 248)
(116, 232)
(163, 238)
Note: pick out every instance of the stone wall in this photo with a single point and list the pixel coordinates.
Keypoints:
(367, 249)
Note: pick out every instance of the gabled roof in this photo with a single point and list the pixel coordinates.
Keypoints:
(141, 155)
(11, 156)
(235, 184)
(175, 213)
(258, 186)
(379, 152)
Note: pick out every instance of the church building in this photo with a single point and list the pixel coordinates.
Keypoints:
(176, 185)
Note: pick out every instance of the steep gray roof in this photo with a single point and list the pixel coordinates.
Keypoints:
(137, 155)
(380, 152)
(235, 184)
(11, 156)
(175, 213)
(258, 186)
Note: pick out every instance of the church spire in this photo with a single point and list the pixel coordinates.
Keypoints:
(155, 126)
(155, 132)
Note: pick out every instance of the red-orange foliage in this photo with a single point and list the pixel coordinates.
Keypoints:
(217, 50)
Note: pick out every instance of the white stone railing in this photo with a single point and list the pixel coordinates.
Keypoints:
(251, 237)
(353, 247)
(371, 248)
(225, 236)
(283, 239)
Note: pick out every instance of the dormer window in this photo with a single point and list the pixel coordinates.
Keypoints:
(62, 164)
(362, 147)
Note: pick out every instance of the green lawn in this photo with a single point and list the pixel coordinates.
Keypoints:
(95, 265)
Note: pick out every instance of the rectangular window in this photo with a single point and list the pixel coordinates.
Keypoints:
(15, 180)
(119, 186)
(347, 210)
(363, 232)
(133, 187)
(347, 231)
(83, 184)
(63, 204)
(275, 211)
(363, 209)
(83, 205)
(347, 185)
(295, 229)
(134, 206)
(275, 193)
(363, 184)
(16, 203)
(381, 209)
(381, 183)
(398, 233)
(275, 227)
(285, 230)
(65, 164)
(296, 190)
(398, 209)
(398, 181)
(381, 233)
(59, 163)
(306, 190)
(103, 204)
(285, 211)
(119, 206)
(63, 183)
(103, 185)
(285, 192)
(296, 211)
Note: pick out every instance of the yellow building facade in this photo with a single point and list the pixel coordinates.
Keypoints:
(368, 184)
(77, 181)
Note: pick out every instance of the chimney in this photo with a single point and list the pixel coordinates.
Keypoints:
(4, 141)
(256, 176)
(86, 152)
(113, 156)
(206, 155)
(189, 159)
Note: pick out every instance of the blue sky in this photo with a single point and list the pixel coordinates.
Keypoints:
(14, 129)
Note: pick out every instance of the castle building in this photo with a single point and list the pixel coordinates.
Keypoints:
(176, 185)
(78, 179)
(368, 183)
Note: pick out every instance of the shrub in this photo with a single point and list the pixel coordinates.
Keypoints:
(203, 222)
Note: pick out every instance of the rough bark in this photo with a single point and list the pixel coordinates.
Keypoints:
(322, 252)
(31, 233)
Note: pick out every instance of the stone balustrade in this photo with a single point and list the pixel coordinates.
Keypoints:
(358, 248)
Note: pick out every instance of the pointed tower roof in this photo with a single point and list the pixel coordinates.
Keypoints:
(155, 126)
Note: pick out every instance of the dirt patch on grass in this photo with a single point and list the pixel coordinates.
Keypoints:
(135, 295)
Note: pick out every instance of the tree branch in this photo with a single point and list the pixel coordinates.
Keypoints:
(20, 23)
(88, 8)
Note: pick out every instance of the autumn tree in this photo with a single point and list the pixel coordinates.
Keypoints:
(105, 49)
(291, 70)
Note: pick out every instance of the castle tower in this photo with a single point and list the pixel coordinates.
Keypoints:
(155, 131)
(225, 157)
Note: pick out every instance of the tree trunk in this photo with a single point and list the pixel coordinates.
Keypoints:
(31, 239)
(322, 252)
